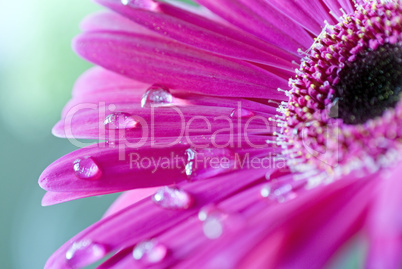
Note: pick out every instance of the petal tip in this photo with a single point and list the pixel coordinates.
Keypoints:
(58, 130)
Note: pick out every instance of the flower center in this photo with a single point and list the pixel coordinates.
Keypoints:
(369, 85)
(344, 110)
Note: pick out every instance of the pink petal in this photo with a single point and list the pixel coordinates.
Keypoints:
(385, 223)
(157, 61)
(52, 198)
(259, 18)
(202, 33)
(300, 13)
(99, 80)
(123, 167)
(145, 220)
(98, 86)
(129, 198)
(282, 226)
(347, 5)
(110, 21)
(290, 235)
(119, 172)
(86, 120)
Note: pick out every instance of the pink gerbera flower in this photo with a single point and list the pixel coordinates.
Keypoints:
(270, 129)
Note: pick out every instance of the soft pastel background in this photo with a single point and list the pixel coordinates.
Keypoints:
(37, 71)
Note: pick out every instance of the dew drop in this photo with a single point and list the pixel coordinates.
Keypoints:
(281, 194)
(191, 153)
(84, 252)
(265, 191)
(149, 252)
(284, 193)
(212, 226)
(156, 95)
(172, 198)
(206, 211)
(119, 120)
(208, 162)
(241, 113)
(86, 168)
(150, 5)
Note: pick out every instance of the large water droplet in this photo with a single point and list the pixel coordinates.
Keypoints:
(208, 162)
(86, 168)
(241, 113)
(156, 95)
(119, 120)
(172, 198)
(149, 252)
(84, 252)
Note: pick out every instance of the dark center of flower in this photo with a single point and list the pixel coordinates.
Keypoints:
(369, 85)
(345, 101)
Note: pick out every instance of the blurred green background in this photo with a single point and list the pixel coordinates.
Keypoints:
(37, 72)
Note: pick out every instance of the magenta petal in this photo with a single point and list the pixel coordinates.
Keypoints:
(300, 13)
(123, 167)
(385, 224)
(52, 198)
(188, 238)
(203, 33)
(129, 198)
(181, 241)
(98, 80)
(145, 219)
(259, 18)
(120, 169)
(176, 66)
(347, 5)
(291, 234)
(87, 120)
(187, 241)
(110, 21)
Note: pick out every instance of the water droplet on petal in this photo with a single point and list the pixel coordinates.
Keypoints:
(241, 113)
(265, 191)
(280, 193)
(149, 252)
(84, 252)
(172, 198)
(156, 95)
(150, 5)
(190, 161)
(206, 211)
(208, 162)
(119, 120)
(212, 226)
(86, 168)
